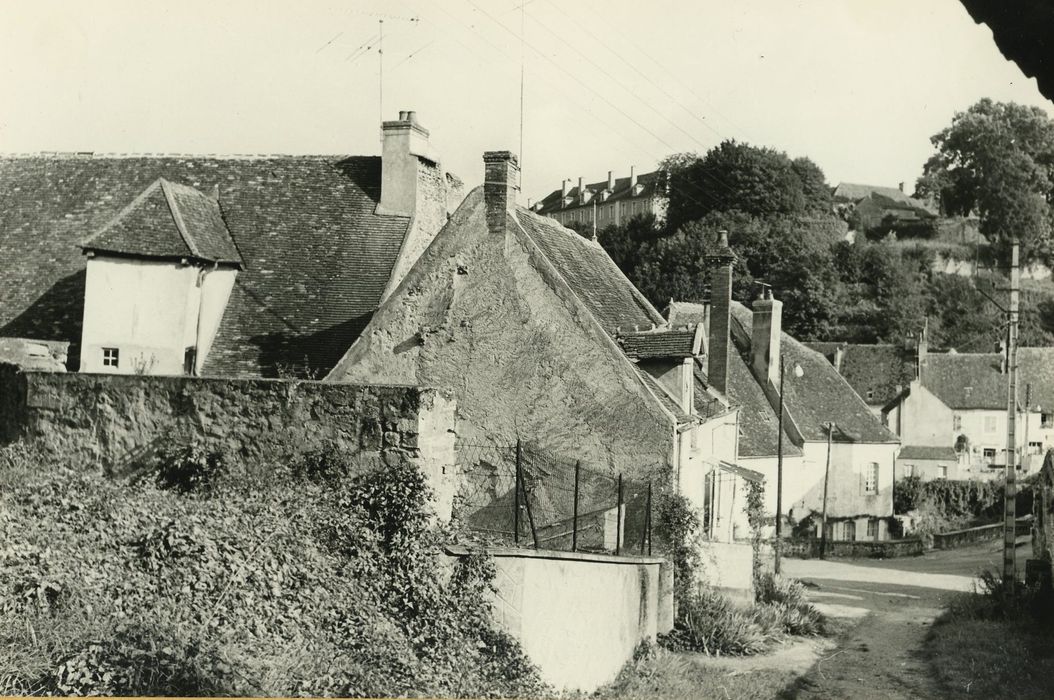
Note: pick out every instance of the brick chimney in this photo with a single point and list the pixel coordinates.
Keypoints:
(403, 143)
(719, 261)
(565, 189)
(921, 350)
(766, 323)
(632, 177)
(611, 181)
(501, 185)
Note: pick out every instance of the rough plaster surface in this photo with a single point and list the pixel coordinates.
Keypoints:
(480, 316)
(114, 421)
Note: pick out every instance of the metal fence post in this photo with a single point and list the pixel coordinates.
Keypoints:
(574, 511)
(530, 514)
(516, 495)
(645, 531)
(618, 517)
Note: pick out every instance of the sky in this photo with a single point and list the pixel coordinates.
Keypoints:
(859, 87)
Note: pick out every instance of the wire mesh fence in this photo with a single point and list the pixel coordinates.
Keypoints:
(517, 495)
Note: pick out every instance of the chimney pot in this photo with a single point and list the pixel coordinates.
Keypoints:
(411, 116)
(402, 115)
(901, 186)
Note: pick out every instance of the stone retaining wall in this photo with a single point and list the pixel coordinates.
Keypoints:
(114, 422)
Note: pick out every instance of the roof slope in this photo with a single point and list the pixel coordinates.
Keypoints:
(876, 372)
(661, 343)
(758, 421)
(925, 452)
(317, 258)
(168, 221)
(591, 273)
(970, 381)
(821, 394)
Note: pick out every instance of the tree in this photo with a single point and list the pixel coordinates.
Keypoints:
(997, 159)
(737, 176)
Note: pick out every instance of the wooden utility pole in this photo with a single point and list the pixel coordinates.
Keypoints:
(779, 475)
(826, 481)
(1010, 505)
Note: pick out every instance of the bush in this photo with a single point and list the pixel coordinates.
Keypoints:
(291, 587)
(189, 468)
(711, 623)
(786, 597)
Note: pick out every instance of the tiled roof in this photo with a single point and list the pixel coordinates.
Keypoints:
(649, 183)
(680, 313)
(966, 381)
(758, 420)
(317, 258)
(821, 394)
(854, 192)
(591, 273)
(168, 220)
(876, 372)
(944, 454)
(660, 343)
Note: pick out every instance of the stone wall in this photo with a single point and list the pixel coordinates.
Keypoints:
(115, 422)
(579, 616)
(887, 549)
(972, 535)
(49, 355)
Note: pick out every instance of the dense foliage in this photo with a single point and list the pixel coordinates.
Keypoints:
(313, 579)
(943, 505)
(997, 159)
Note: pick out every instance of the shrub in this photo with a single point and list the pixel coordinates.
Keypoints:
(711, 623)
(189, 468)
(786, 599)
(110, 588)
(677, 525)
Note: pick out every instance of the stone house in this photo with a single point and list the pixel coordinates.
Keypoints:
(862, 451)
(240, 266)
(959, 401)
(540, 337)
(607, 203)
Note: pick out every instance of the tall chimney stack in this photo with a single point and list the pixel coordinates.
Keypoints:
(402, 142)
(501, 184)
(565, 188)
(766, 325)
(632, 177)
(611, 181)
(719, 261)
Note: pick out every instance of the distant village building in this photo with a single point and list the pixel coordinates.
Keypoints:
(862, 452)
(611, 202)
(950, 408)
(213, 265)
(872, 208)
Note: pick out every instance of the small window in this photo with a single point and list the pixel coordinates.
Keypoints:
(942, 472)
(870, 395)
(111, 357)
(850, 531)
(872, 529)
(957, 422)
(1046, 420)
(909, 470)
(871, 478)
(989, 453)
(1035, 448)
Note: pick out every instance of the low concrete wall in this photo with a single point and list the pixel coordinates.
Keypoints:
(886, 549)
(728, 567)
(580, 616)
(116, 423)
(983, 533)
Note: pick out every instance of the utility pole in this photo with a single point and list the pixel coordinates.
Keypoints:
(380, 71)
(826, 481)
(779, 474)
(1010, 506)
(1026, 459)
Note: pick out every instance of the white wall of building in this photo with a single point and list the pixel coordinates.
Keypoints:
(148, 312)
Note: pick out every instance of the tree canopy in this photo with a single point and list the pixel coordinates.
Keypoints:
(996, 159)
(739, 177)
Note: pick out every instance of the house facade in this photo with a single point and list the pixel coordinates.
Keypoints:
(611, 202)
(824, 421)
(213, 265)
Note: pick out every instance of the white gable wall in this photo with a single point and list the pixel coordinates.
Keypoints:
(148, 310)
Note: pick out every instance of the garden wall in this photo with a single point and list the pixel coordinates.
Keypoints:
(885, 549)
(115, 423)
(580, 616)
(984, 533)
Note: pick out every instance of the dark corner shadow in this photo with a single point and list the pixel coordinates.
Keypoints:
(307, 355)
(365, 173)
(58, 314)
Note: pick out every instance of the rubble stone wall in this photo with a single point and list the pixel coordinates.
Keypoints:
(113, 422)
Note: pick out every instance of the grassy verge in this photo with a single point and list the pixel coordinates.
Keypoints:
(990, 644)
(661, 673)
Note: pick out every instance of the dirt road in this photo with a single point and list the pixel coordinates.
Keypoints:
(891, 605)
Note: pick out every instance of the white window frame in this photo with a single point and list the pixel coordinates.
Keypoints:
(111, 357)
(871, 478)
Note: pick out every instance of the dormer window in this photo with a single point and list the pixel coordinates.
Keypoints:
(111, 357)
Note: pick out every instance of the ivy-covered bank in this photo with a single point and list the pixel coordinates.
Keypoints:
(203, 578)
